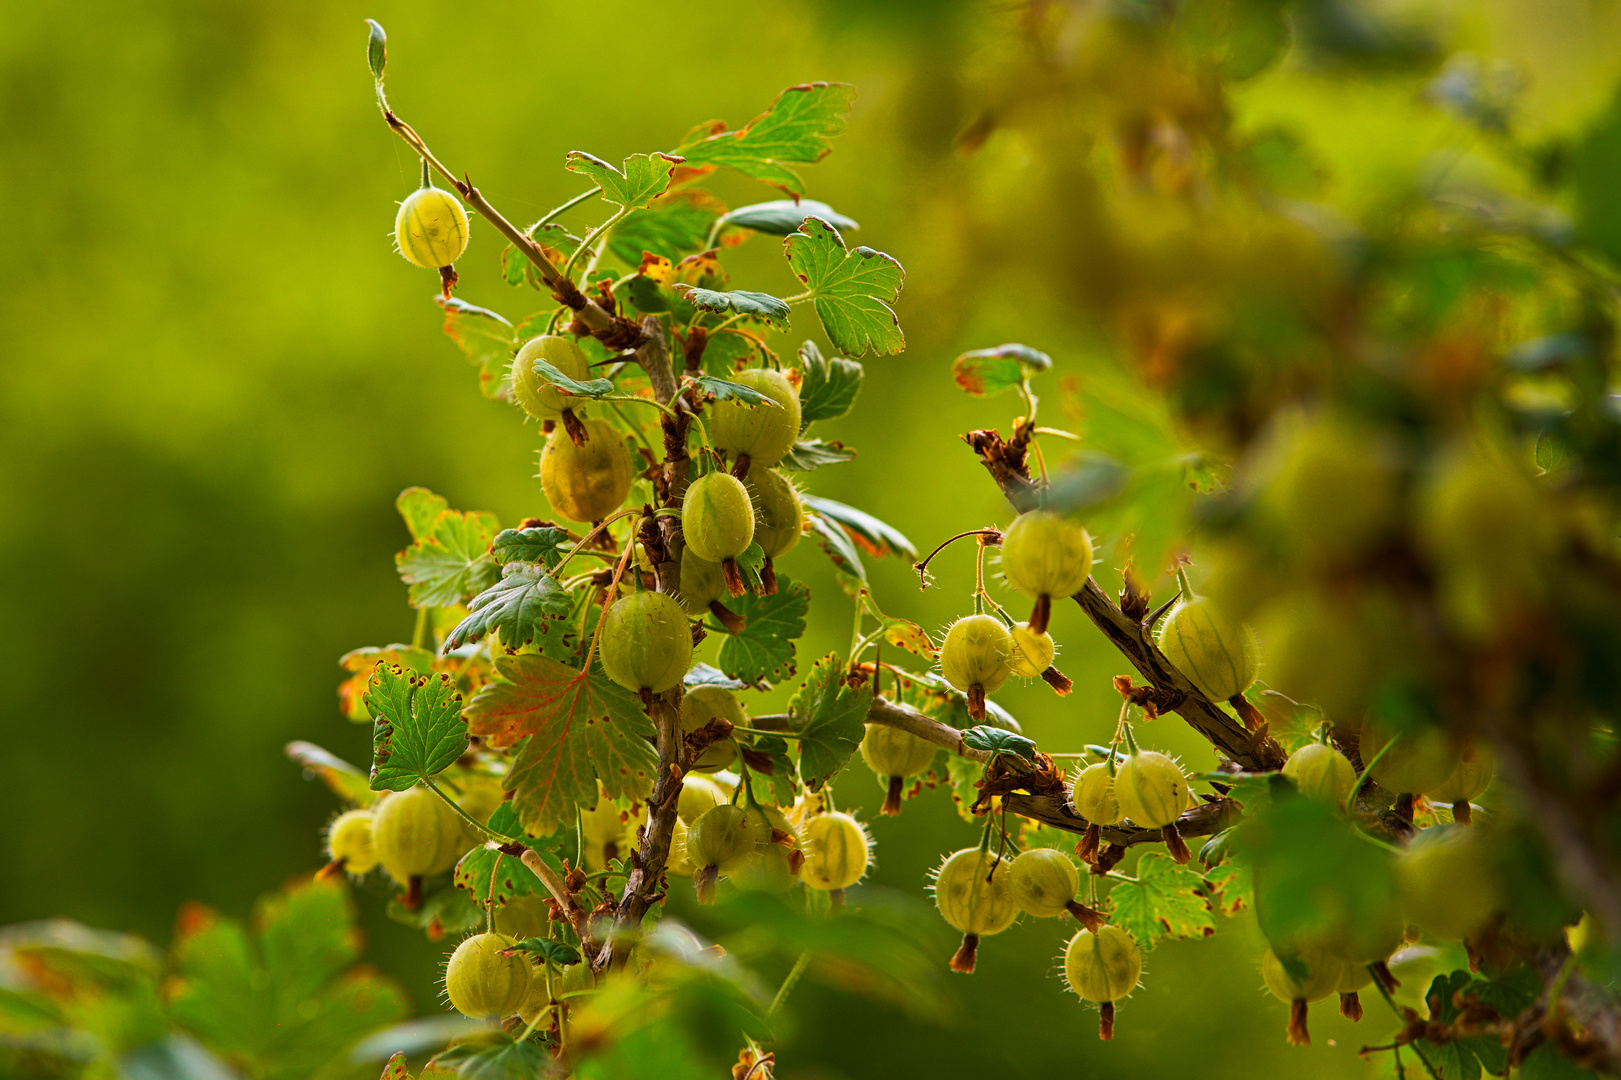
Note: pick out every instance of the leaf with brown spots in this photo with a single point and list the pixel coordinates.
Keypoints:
(794, 131)
(1163, 900)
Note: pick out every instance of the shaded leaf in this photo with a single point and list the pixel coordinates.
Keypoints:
(445, 910)
(485, 864)
(676, 224)
(510, 1061)
(779, 770)
(828, 386)
(782, 216)
(837, 545)
(988, 372)
(590, 388)
(852, 290)
(560, 953)
(643, 178)
(755, 305)
(808, 454)
(704, 675)
(345, 780)
(794, 131)
(764, 651)
(723, 388)
(999, 741)
(1163, 900)
(830, 718)
(484, 337)
(452, 561)
(875, 537)
(515, 606)
(419, 731)
(544, 544)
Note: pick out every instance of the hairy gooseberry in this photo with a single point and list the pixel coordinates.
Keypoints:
(481, 983)
(416, 834)
(972, 895)
(1219, 656)
(1103, 966)
(536, 394)
(1094, 795)
(646, 643)
(779, 516)
(523, 917)
(718, 840)
(1321, 772)
(1044, 882)
(1045, 555)
(717, 518)
(1032, 652)
(837, 851)
(1417, 759)
(699, 706)
(677, 861)
(1449, 885)
(1153, 791)
(894, 755)
(763, 432)
(349, 841)
(1471, 777)
(1318, 975)
(769, 869)
(702, 583)
(586, 483)
(698, 793)
(975, 658)
(431, 228)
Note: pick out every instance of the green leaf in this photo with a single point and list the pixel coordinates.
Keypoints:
(1439, 997)
(999, 741)
(560, 953)
(809, 454)
(361, 662)
(783, 216)
(1452, 1061)
(988, 372)
(764, 651)
(830, 718)
(419, 731)
(839, 548)
(749, 566)
(875, 537)
(446, 910)
(484, 337)
(1509, 993)
(376, 48)
(576, 729)
(509, 1061)
(777, 767)
(794, 131)
(963, 776)
(515, 606)
(173, 1057)
(852, 290)
(828, 387)
(511, 877)
(1492, 1054)
(754, 305)
(722, 388)
(643, 178)
(590, 388)
(285, 996)
(420, 508)
(543, 544)
(704, 675)
(1547, 1063)
(346, 781)
(452, 562)
(677, 224)
(1163, 900)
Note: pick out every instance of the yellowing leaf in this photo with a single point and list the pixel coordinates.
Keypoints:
(1163, 900)
(419, 730)
(643, 178)
(794, 130)
(452, 562)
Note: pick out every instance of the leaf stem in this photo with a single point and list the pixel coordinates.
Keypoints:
(788, 982)
(590, 237)
(588, 537)
(619, 572)
(463, 814)
(421, 630)
(559, 211)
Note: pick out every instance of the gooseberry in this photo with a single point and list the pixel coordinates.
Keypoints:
(779, 516)
(971, 893)
(894, 755)
(1094, 797)
(481, 983)
(415, 834)
(1153, 792)
(717, 841)
(431, 228)
(586, 483)
(975, 658)
(349, 841)
(1471, 777)
(837, 851)
(1417, 760)
(1044, 883)
(1103, 966)
(646, 643)
(763, 432)
(699, 706)
(702, 583)
(537, 395)
(698, 793)
(1321, 772)
(717, 518)
(1032, 652)
(1449, 887)
(1217, 655)
(1320, 976)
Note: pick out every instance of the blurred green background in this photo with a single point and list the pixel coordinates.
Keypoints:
(215, 377)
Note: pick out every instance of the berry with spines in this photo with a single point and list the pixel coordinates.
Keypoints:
(971, 893)
(349, 846)
(698, 794)
(522, 917)
(702, 583)
(1473, 775)
(431, 228)
(837, 851)
(1032, 652)
(1317, 973)
(1094, 799)
(1153, 791)
(699, 706)
(717, 521)
(762, 433)
(1321, 772)
(975, 657)
(1217, 655)
(536, 394)
(1044, 883)
(415, 835)
(646, 643)
(1450, 887)
(718, 840)
(483, 984)
(779, 516)
(1046, 555)
(590, 481)
(1103, 966)
(895, 755)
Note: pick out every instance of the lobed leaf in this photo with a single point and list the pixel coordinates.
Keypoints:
(997, 740)
(590, 388)
(875, 537)
(837, 545)
(484, 337)
(676, 224)
(988, 372)
(542, 544)
(487, 875)
(452, 562)
(764, 651)
(1163, 900)
(419, 731)
(830, 718)
(794, 131)
(420, 508)
(828, 387)
(852, 290)
(704, 675)
(516, 606)
(809, 454)
(754, 305)
(352, 691)
(643, 178)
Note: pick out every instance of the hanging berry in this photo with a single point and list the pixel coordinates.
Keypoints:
(971, 893)
(646, 643)
(1045, 555)
(1103, 966)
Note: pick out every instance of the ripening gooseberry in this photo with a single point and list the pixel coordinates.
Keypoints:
(976, 652)
(698, 793)
(1418, 759)
(717, 518)
(1044, 882)
(1217, 655)
(767, 870)
(894, 755)
(349, 841)
(699, 706)
(762, 432)
(431, 228)
(1103, 966)
(779, 516)
(481, 983)
(586, 483)
(1044, 554)
(1032, 652)
(719, 840)
(1449, 887)
(677, 862)
(971, 893)
(537, 395)
(1471, 777)
(1321, 977)
(523, 917)
(1151, 789)
(646, 643)
(702, 583)
(1094, 797)
(415, 834)
(837, 852)
(1329, 493)
(1321, 772)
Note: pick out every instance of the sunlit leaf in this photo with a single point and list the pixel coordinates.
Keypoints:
(988, 372)
(418, 727)
(809, 454)
(484, 337)
(852, 290)
(515, 606)
(782, 216)
(720, 389)
(828, 385)
(643, 178)
(995, 740)
(794, 131)
(345, 780)
(1162, 901)
(875, 537)
(754, 305)
(829, 717)
(541, 544)
(589, 388)
(677, 224)
(420, 508)
(837, 545)
(452, 562)
(764, 651)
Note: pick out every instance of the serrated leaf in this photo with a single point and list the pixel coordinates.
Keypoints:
(778, 768)
(852, 290)
(764, 651)
(352, 691)
(543, 544)
(479, 867)
(1452, 1061)
(704, 675)
(1162, 901)
(484, 337)
(875, 537)
(420, 508)
(451, 562)
(1232, 886)
(376, 49)
(837, 545)
(809, 454)
(828, 386)
(560, 953)
(794, 131)
(643, 178)
(1509, 993)
(515, 607)
(997, 740)
(512, 1061)
(963, 775)
(418, 728)
(345, 780)
(590, 388)
(577, 728)
(720, 389)
(782, 216)
(284, 996)
(749, 566)
(396, 1068)
(754, 305)
(830, 718)
(1491, 1053)
(1547, 1063)
(677, 224)
(988, 372)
